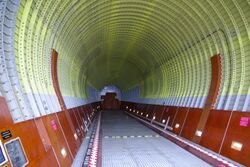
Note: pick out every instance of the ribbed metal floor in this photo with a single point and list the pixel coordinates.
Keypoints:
(127, 143)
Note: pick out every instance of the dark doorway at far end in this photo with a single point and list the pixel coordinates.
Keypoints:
(110, 102)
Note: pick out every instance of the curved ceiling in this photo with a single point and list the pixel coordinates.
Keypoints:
(162, 46)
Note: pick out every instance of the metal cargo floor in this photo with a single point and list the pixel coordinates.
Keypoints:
(128, 143)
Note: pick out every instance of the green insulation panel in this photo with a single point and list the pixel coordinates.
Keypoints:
(162, 46)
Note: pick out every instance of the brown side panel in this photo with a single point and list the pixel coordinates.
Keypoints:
(31, 133)
(54, 58)
(150, 111)
(212, 94)
(191, 123)
(214, 130)
(57, 139)
(215, 81)
(146, 110)
(165, 109)
(82, 113)
(239, 134)
(30, 138)
(158, 111)
(78, 118)
(81, 119)
(76, 123)
(47, 160)
(73, 144)
(180, 117)
(170, 113)
(5, 117)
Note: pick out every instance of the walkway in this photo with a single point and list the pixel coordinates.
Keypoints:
(128, 143)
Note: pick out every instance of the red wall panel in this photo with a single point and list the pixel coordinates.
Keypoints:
(150, 111)
(239, 134)
(73, 144)
(6, 119)
(45, 160)
(158, 112)
(191, 122)
(57, 139)
(212, 94)
(180, 117)
(214, 130)
(81, 119)
(32, 133)
(170, 112)
(30, 138)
